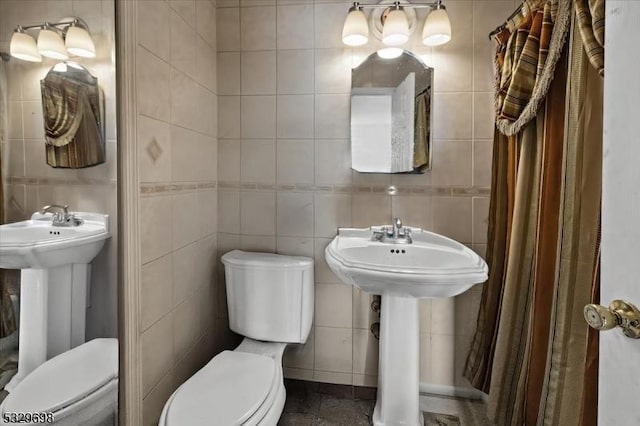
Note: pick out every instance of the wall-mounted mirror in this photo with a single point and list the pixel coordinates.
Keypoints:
(391, 115)
(53, 333)
(73, 117)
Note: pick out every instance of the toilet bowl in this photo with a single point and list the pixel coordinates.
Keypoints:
(78, 387)
(270, 300)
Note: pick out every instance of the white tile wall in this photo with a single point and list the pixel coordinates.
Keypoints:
(258, 160)
(294, 214)
(258, 73)
(332, 116)
(258, 28)
(294, 161)
(228, 116)
(157, 287)
(258, 117)
(332, 211)
(333, 162)
(177, 131)
(157, 352)
(295, 71)
(153, 72)
(294, 24)
(333, 349)
(295, 117)
(333, 305)
(258, 213)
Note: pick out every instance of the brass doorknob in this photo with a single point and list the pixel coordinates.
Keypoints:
(619, 313)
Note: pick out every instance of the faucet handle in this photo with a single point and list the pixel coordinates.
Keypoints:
(397, 223)
(61, 215)
(50, 207)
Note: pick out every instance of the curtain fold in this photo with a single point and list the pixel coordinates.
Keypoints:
(528, 51)
(480, 359)
(423, 130)
(532, 351)
(511, 348)
(578, 270)
(590, 21)
(548, 232)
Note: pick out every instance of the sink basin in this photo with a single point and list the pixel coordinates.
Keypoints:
(36, 243)
(55, 264)
(432, 266)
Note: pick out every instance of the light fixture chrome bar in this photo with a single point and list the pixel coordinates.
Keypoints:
(75, 21)
(434, 4)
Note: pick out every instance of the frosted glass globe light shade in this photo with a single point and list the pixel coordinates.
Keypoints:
(355, 31)
(390, 52)
(51, 45)
(395, 30)
(79, 42)
(23, 46)
(437, 28)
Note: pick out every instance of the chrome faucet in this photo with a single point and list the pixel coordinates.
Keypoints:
(397, 227)
(396, 235)
(61, 215)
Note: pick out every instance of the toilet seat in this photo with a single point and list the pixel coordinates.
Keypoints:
(81, 380)
(234, 388)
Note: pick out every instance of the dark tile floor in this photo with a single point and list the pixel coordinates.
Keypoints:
(310, 408)
(316, 404)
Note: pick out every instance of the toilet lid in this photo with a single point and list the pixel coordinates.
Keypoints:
(66, 378)
(226, 391)
(268, 260)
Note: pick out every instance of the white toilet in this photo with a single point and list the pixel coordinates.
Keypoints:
(79, 387)
(270, 300)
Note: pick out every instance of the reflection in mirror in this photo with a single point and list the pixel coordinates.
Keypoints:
(9, 279)
(391, 115)
(73, 119)
(58, 283)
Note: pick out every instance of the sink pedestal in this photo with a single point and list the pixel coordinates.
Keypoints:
(399, 363)
(52, 315)
(431, 266)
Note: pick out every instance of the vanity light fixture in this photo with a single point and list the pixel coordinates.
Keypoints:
(57, 41)
(395, 30)
(50, 43)
(437, 27)
(397, 22)
(23, 46)
(355, 31)
(78, 41)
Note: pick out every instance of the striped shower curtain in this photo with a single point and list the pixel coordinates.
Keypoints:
(532, 351)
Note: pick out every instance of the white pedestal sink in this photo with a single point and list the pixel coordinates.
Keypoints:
(53, 284)
(432, 266)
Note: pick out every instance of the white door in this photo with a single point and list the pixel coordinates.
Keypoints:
(619, 380)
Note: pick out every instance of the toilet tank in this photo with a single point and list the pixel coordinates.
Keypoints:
(269, 296)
